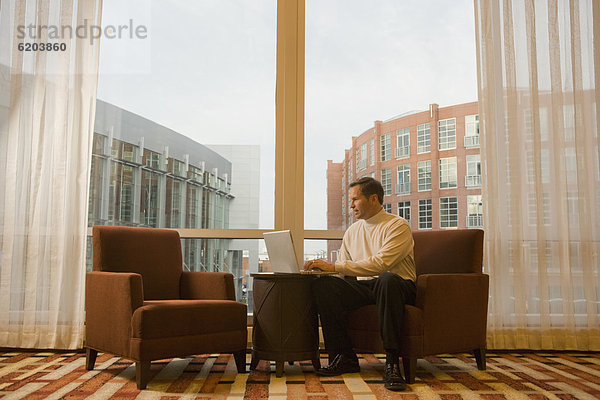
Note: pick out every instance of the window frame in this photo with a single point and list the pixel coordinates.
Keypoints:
(428, 214)
(385, 145)
(451, 213)
(446, 134)
(404, 205)
(424, 177)
(402, 143)
(445, 169)
(424, 138)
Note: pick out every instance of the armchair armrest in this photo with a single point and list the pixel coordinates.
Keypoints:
(110, 300)
(207, 286)
(455, 308)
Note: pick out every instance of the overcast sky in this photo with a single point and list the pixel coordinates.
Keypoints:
(207, 70)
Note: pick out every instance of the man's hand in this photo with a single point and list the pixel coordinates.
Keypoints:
(319, 264)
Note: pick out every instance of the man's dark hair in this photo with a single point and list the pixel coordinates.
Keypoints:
(368, 187)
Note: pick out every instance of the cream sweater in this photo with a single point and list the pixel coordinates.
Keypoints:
(381, 243)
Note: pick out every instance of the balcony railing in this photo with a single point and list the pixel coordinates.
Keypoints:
(472, 141)
(475, 221)
(402, 152)
(403, 188)
(473, 181)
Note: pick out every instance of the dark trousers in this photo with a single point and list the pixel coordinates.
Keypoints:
(335, 298)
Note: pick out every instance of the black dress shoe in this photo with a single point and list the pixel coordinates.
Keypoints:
(341, 364)
(392, 378)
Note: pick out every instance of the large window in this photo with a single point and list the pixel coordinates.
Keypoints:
(385, 144)
(170, 154)
(424, 172)
(402, 143)
(372, 152)
(403, 182)
(447, 172)
(447, 134)
(423, 138)
(425, 214)
(448, 212)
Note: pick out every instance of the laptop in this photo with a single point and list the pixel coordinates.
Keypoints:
(282, 255)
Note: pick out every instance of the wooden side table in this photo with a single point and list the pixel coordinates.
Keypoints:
(286, 326)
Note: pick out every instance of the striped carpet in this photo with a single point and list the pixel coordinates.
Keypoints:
(48, 375)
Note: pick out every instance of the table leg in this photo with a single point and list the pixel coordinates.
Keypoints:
(316, 362)
(279, 368)
(253, 362)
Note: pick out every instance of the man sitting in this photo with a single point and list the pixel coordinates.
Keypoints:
(378, 248)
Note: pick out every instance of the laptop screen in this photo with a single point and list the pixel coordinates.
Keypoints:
(280, 248)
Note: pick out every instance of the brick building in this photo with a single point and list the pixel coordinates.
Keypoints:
(428, 163)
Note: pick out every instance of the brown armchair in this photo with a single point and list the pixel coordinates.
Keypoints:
(141, 305)
(450, 312)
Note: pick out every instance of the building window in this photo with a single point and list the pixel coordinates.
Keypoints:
(544, 165)
(474, 211)
(196, 174)
(448, 212)
(385, 147)
(386, 181)
(447, 172)
(173, 200)
(423, 138)
(387, 207)
(472, 131)
(424, 175)
(528, 123)
(372, 151)
(404, 210)
(403, 183)
(151, 159)
(425, 214)
(177, 168)
(447, 134)
(532, 208)
(402, 143)
(350, 169)
(149, 209)
(124, 151)
(473, 177)
(361, 157)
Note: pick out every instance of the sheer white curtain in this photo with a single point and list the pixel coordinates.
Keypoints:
(539, 79)
(47, 103)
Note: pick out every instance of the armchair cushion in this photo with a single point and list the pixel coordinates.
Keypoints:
(173, 318)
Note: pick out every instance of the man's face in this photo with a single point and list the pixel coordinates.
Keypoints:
(361, 206)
